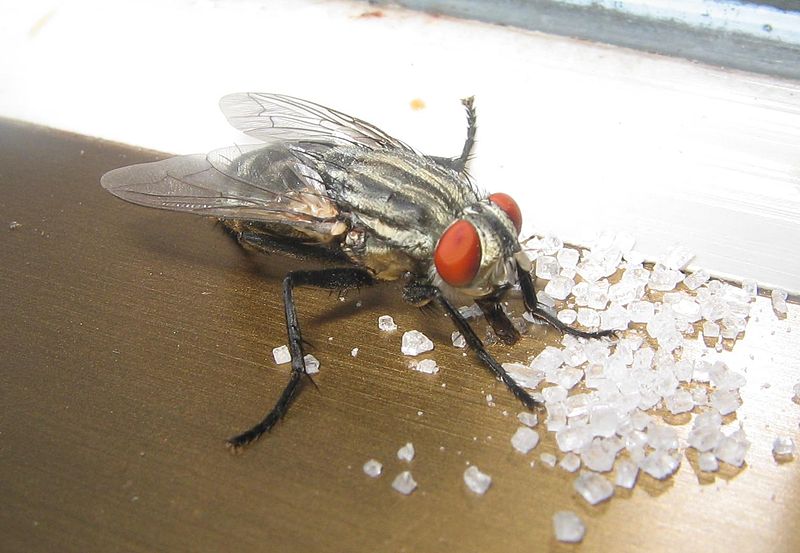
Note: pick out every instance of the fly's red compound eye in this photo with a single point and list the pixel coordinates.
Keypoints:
(509, 206)
(458, 254)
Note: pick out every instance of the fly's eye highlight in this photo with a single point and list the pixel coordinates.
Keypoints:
(458, 254)
(509, 206)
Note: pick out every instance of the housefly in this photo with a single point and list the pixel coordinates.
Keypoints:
(325, 184)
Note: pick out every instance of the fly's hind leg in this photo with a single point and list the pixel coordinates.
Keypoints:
(459, 164)
(532, 305)
(472, 129)
(329, 279)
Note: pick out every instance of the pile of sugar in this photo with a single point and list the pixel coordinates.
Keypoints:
(606, 400)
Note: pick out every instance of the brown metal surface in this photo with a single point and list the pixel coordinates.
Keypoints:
(134, 341)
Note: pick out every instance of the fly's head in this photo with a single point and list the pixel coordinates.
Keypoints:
(479, 254)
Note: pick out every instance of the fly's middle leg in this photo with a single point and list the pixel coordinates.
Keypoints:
(329, 279)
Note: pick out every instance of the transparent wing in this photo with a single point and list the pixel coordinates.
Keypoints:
(275, 117)
(192, 184)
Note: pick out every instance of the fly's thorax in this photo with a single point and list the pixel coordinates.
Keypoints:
(496, 248)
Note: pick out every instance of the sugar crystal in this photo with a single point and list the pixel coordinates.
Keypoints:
(593, 487)
(779, 302)
(661, 325)
(427, 366)
(710, 329)
(556, 416)
(568, 527)
(550, 244)
(604, 420)
(477, 481)
(386, 323)
(660, 464)
(707, 462)
(544, 299)
(700, 397)
(548, 459)
(567, 316)
(281, 355)
(678, 257)
(624, 292)
(554, 394)
(458, 340)
(627, 473)
(404, 483)
(687, 309)
(597, 296)
(567, 377)
(598, 456)
(415, 342)
(312, 364)
(679, 402)
(750, 287)
(549, 359)
(641, 311)
(783, 448)
(588, 317)
(579, 291)
(664, 279)
(662, 437)
(524, 375)
(524, 439)
(568, 258)
(696, 279)
(573, 438)
(615, 317)
(590, 271)
(406, 453)
(471, 311)
(559, 287)
(546, 267)
(732, 449)
(725, 401)
(705, 436)
(528, 419)
(570, 462)
(373, 468)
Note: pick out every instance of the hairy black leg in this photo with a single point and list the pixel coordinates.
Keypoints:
(331, 279)
(472, 129)
(500, 322)
(421, 293)
(532, 305)
(476, 344)
(459, 164)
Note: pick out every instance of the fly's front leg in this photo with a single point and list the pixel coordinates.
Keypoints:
(420, 294)
(330, 279)
(532, 305)
(499, 321)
